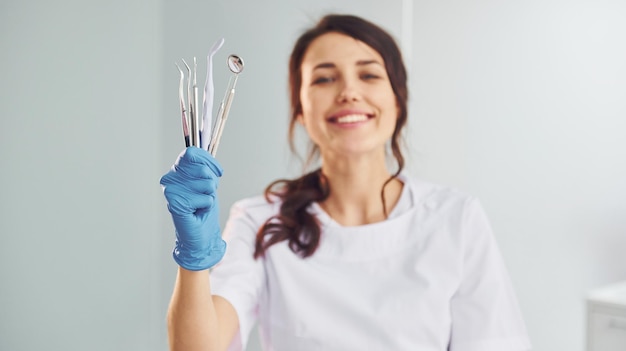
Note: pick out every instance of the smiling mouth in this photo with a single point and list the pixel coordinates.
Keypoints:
(355, 118)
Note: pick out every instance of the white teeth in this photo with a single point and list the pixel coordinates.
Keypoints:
(352, 118)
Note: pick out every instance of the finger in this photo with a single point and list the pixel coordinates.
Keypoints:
(174, 177)
(202, 186)
(194, 157)
(193, 185)
(182, 174)
(195, 171)
(181, 201)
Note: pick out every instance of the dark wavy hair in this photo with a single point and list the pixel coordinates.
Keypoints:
(294, 222)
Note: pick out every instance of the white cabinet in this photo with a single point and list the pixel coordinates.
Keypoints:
(606, 318)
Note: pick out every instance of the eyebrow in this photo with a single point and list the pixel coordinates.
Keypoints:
(358, 63)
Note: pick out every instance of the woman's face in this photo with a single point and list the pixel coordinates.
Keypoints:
(348, 104)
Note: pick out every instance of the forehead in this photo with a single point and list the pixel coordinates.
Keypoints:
(337, 48)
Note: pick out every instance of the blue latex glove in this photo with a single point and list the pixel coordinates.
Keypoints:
(190, 189)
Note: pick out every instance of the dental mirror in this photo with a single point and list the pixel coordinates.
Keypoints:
(235, 64)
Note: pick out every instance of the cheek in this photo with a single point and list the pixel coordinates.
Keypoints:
(307, 101)
(392, 106)
(393, 114)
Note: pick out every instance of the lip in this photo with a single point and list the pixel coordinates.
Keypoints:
(350, 114)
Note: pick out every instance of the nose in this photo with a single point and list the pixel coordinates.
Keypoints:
(349, 92)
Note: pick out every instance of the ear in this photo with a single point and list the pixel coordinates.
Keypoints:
(300, 119)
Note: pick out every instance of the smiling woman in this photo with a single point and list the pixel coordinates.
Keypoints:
(348, 104)
(352, 255)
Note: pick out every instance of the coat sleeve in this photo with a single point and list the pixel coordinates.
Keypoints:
(239, 278)
(484, 309)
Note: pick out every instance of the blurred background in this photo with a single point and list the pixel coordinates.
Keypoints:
(521, 103)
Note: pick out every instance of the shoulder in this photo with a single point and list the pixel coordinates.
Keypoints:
(246, 217)
(256, 209)
(461, 212)
(437, 196)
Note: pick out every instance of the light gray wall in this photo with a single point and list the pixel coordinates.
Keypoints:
(79, 203)
(523, 104)
(519, 103)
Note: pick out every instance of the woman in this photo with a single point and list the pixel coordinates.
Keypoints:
(352, 256)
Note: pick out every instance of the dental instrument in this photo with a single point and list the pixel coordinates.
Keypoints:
(192, 108)
(192, 95)
(200, 131)
(207, 99)
(236, 65)
(183, 108)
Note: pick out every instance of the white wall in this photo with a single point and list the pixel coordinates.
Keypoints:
(523, 104)
(519, 103)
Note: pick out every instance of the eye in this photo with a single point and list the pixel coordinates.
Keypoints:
(369, 76)
(323, 80)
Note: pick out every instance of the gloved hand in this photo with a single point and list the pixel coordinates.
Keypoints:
(190, 189)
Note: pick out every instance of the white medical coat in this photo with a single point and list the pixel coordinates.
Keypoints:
(430, 278)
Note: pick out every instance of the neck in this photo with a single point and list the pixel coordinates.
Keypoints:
(356, 186)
